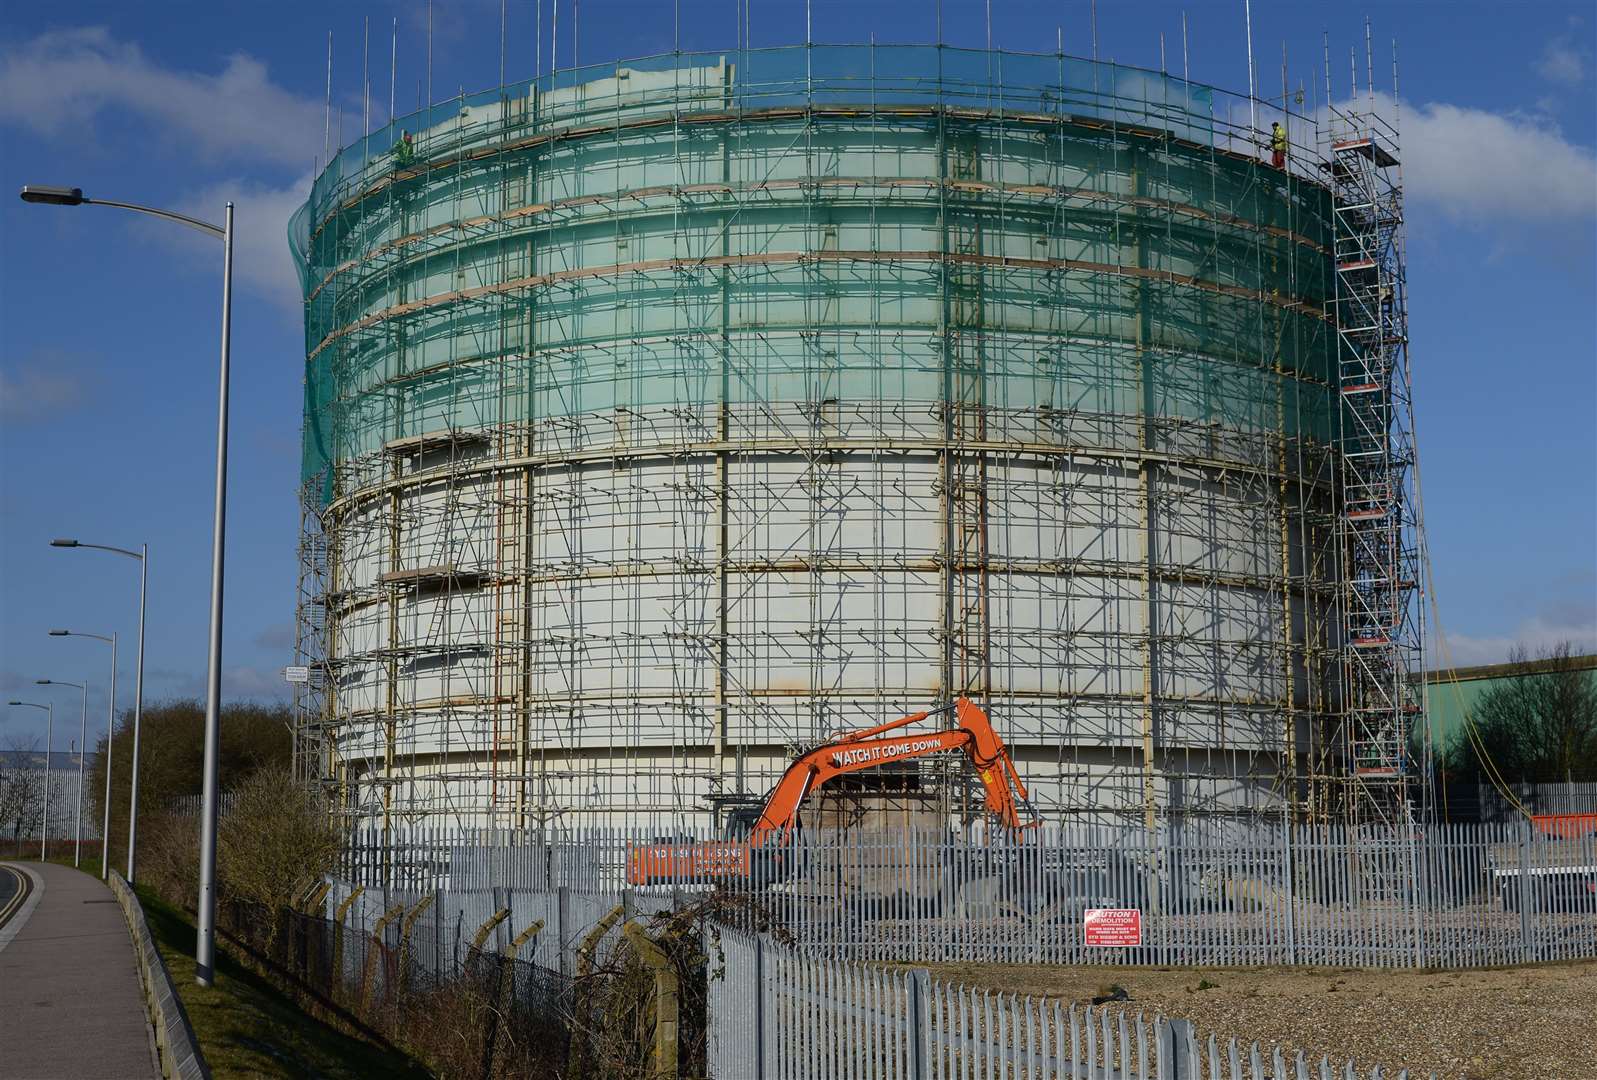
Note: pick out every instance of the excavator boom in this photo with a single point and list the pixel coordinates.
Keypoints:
(973, 733)
(869, 748)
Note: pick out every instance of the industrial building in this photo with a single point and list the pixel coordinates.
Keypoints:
(666, 416)
(1453, 695)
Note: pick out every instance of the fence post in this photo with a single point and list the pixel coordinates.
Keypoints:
(1291, 896)
(1524, 891)
(1175, 1060)
(489, 925)
(338, 938)
(374, 956)
(438, 944)
(1418, 892)
(1167, 881)
(562, 927)
(505, 996)
(667, 1000)
(918, 987)
(759, 1005)
(406, 925)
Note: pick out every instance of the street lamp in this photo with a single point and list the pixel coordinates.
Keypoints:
(55, 196)
(205, 940)
(49, 730)
(110, 736)
(83, 735)
(143, 555)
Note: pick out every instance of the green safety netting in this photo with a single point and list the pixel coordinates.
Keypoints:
(833, 224)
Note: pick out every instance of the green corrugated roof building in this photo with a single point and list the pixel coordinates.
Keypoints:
(1452, 692)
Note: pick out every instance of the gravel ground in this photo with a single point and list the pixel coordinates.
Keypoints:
(1527, 1023)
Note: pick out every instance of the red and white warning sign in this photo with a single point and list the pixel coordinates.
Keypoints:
(1112, 926)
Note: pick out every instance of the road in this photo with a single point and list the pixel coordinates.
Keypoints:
(15, 888)
(69, 986)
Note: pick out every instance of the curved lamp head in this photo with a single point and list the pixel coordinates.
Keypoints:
(63, 543)
(60, 633)
(53, 196)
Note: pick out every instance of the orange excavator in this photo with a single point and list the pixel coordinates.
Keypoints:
(972, 734)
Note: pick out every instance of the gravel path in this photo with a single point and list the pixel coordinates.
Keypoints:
(1527, 1023)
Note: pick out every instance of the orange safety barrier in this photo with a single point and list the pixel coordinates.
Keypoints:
(1569, 826)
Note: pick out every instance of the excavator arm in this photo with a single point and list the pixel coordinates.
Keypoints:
(869, 748)
(973, 733)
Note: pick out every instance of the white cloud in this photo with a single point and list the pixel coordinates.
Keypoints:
(1563, 60)
(1494, 168)
(1480, 167)
(262, 260)
(1535, 635)
(63, 80)
(42, 388)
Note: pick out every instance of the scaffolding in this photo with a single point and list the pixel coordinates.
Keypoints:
(663, 417)
(1378, 530)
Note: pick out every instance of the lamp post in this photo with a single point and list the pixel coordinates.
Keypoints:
(49, 731)
(205, 940)
(83, 734)
(143, 555)
(110, 736)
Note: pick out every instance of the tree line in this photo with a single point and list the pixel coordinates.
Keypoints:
(277, 835)
(1537, 727)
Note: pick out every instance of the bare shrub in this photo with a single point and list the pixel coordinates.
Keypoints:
(169, 857)
(21, 791)
(171, 756)
(276, 842)
(613, 1010)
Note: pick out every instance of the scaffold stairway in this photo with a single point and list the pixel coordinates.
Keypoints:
(1381, 634)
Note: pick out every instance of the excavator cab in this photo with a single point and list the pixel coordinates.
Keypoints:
(739, 821)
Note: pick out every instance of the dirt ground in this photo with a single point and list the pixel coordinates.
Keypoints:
(1506, 1024)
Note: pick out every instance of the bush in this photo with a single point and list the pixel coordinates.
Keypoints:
(171, 758)
(277, 841)
(169, 857)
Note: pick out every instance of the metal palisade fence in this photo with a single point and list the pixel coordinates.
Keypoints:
(771, 1012)
(445, 928)
(775, 1013)
(1431, 896)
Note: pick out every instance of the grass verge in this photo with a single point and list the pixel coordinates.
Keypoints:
(246, 1027)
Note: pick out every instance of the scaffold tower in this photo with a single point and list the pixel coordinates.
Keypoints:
(1382, 622)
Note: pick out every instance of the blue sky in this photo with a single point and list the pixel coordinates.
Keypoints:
(108, 324)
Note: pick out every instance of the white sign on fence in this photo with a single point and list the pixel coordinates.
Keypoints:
(1111, 927)
(297, 674)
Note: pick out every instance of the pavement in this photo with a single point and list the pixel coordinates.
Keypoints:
(69, 987)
